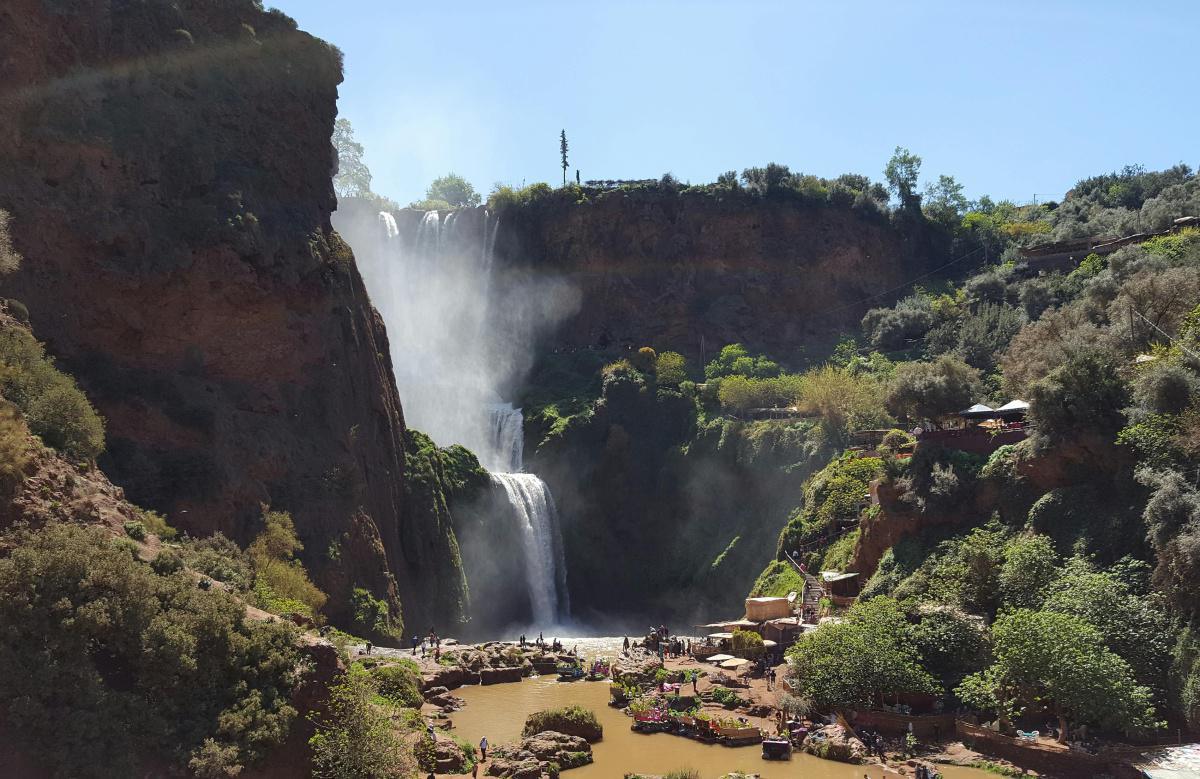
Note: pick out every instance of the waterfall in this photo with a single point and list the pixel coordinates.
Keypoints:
(459, 337)
(537, 520)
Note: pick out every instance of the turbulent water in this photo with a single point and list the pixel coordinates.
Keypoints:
(458, 339)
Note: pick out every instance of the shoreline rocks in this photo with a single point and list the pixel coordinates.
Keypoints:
(532, 758)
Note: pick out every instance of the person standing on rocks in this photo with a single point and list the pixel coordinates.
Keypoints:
(483, 745)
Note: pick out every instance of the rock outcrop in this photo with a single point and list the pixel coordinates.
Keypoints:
(694, 272)
(167, 166)
(532, 758)
(833, 742)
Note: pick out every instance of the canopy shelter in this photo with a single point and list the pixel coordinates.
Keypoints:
(769, 644)
(720, 658)
(720, 636)
(1013, 409)
(978, 411)
(734, 662)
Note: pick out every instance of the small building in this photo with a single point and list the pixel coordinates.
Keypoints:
(843, 588)
(783, 631)
(762, 609)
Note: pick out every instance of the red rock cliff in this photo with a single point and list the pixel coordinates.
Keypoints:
(694, 272)
(167, 165)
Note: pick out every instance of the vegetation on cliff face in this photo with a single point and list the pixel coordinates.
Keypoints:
(107, 661)
(1048, 579)
(649, 473)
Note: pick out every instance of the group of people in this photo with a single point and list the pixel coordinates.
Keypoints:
(540, 643)
(430, 641)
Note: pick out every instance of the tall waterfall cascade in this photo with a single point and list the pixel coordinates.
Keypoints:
(454, 350)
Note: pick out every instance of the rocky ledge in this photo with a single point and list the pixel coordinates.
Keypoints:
(540, 755)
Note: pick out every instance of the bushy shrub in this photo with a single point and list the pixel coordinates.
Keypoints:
(356, 738)
(572, 720)
(399, 683)
(280, 580)
(217, 557)
(892, 328)
(157, 524)
(671, 368)
(735, 360)
(371, 615)
(931, 390)
(54, 407)
(1083, 396)
(135, 530)
(1165, 388)
(14, 448)
(747, 644)
(155, 663)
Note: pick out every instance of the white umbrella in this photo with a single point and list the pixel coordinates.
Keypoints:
(720, 658)
(769, 643)
(734, 662)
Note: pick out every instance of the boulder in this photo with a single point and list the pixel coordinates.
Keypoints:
(552, 746)
(517, 766)
(636, 666)
(447, 676)
(449, 756)
(433, 692)
(499, 675)
(833, 742)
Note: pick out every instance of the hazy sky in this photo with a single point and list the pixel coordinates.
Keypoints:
(1012, 98)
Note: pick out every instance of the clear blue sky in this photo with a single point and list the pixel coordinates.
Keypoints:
(1011, 98)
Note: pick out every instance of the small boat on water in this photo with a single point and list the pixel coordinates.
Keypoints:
(569, 672)
(776, 748)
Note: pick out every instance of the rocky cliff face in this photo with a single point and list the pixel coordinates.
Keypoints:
(167, 165)
(693, 272)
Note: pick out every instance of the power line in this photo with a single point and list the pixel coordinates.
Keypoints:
(1166, 335)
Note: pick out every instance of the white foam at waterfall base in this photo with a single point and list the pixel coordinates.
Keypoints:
(456, 337)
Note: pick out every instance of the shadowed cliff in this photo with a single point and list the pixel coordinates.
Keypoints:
(168, 169)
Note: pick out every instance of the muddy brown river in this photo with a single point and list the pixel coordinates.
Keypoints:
(499, 711)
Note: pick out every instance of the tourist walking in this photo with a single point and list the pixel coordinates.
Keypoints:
(415, 640)
(483, 745)
(625, 644)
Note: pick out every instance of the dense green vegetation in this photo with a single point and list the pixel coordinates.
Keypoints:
(108, 661)
(1055, 578)
(355, 735)
(51, 403)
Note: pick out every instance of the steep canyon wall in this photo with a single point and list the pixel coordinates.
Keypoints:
(167, 166)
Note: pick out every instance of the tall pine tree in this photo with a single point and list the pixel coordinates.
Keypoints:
(562, 148)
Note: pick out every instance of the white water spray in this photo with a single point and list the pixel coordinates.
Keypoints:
(457, 338)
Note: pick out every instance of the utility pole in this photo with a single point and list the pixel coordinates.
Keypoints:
(562, 148)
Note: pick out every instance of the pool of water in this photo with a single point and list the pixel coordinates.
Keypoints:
(498, 711)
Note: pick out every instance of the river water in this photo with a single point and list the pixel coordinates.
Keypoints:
(498, 712)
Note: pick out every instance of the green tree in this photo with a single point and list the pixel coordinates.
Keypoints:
(944, 200)
(932, 390)
(104, 659)
(454, 190)
(1134, 622)
(860, 661)
(280, 580)
(353, 178)
(671, 368)
(1085, 396)
(747, 644)
(1059, 661)
(354, 737)
(901, 174)
(842, 399)
(1030, 565)
(562, 150)
(735, 360)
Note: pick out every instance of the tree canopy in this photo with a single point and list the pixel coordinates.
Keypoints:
(454, 190)
(861, 660)
(1057, 660)
(353, 178)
